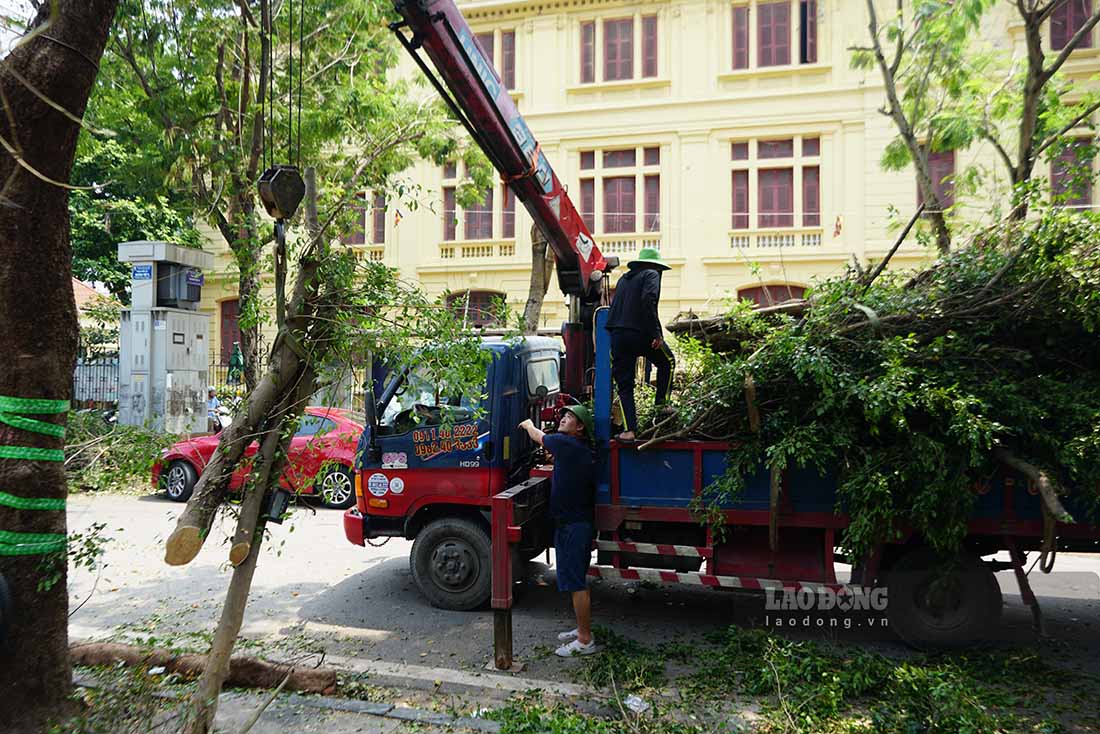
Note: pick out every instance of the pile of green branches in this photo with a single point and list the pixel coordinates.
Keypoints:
(909, 388)
(101, 456)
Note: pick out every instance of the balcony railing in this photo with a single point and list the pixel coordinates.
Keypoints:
(372, 253)
(477, 249)
(628, 244)
(774, 239)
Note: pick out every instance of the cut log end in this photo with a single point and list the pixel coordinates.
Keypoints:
(239, 552)
(182, 546)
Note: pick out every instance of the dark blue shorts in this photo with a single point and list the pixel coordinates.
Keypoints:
(573, 551)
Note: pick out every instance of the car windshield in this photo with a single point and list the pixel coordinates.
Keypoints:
(418, 389)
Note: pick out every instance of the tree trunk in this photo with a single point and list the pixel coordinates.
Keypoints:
(40, 335)
(286, 405)
(246, 250)
(542, 268)
(1029, 117)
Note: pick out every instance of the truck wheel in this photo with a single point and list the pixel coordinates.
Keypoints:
(336, 488)
(938, 603)
(180, 481)
(452, 565)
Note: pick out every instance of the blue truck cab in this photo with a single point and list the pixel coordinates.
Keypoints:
(430, 471)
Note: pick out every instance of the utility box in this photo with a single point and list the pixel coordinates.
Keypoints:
(163, 351)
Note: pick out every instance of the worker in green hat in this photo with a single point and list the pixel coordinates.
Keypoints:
(572, 505)
(636, 332)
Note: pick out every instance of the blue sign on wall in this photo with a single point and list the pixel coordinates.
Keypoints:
(141, 272)
(194, 277)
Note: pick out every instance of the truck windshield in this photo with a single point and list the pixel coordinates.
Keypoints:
(421, 401)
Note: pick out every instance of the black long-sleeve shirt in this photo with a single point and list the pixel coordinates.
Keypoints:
(635, 305)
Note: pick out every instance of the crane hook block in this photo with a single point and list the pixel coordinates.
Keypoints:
(281, 191)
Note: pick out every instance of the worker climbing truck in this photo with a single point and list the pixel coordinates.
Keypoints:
(470, 489)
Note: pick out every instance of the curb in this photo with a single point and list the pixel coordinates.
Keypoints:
(407, 675)
(347, 705)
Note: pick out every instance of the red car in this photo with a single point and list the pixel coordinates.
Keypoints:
(319, 462)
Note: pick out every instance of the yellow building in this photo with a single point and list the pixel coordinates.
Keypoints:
(733, 136)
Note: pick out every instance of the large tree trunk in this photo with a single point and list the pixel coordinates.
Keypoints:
(542, 267)
(40, 335)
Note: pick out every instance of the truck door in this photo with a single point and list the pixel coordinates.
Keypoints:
(434, 447)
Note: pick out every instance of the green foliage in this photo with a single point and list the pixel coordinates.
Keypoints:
(528, 714)
(131, 202)
(84, 551)
(105, 457)
(903, 388)
(126, 701)
(623, 661)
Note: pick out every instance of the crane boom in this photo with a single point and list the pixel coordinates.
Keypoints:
(483, 105)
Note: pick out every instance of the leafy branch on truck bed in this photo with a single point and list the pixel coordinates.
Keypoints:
(914, 387)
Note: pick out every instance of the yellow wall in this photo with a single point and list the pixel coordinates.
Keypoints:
(692, 110)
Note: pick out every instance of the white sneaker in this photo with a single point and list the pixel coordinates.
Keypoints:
(567, 636)
(576, 647)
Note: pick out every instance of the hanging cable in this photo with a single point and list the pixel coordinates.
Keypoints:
(301, 63)
(290, 84)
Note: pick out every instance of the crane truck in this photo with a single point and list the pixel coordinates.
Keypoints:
(472, 492)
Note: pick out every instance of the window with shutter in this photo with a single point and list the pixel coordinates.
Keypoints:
(618, 204)
(508, 59)
(769, 295)
(588, 52)
(653, 203)
(1071, 175)
(1066, 20)
(357, 235)
(588, 203)
(941, 169)
(485, 41)
(476, 308)
(230, 327)
(740, 200)
(741, 37)
(649, 46)
(508, 214)
(619, 158)
(774, 191)
(807, 35)
(773, 34)
(378, 214)
(449, 213)
(811, 196)
(618, 49)
(775, 148)
(479, 219)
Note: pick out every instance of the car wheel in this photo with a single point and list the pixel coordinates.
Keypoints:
(180, 481)
(451, 564)
(337, 488)
(942, 603)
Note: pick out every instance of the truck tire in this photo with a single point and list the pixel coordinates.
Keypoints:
(451, 563)
(180, 481)
(935, 603)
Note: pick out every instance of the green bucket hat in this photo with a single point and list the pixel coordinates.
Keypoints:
(585, 417)
(649, 256)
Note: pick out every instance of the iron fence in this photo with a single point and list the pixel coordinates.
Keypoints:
(95, 382)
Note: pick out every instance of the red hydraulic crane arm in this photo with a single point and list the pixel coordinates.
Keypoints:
(478, 98)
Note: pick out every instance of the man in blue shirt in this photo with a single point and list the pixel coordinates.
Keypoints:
(572, 499)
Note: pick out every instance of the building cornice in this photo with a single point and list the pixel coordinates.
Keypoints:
(482, 10)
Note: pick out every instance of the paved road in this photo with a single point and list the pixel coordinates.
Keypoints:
(314, 590)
